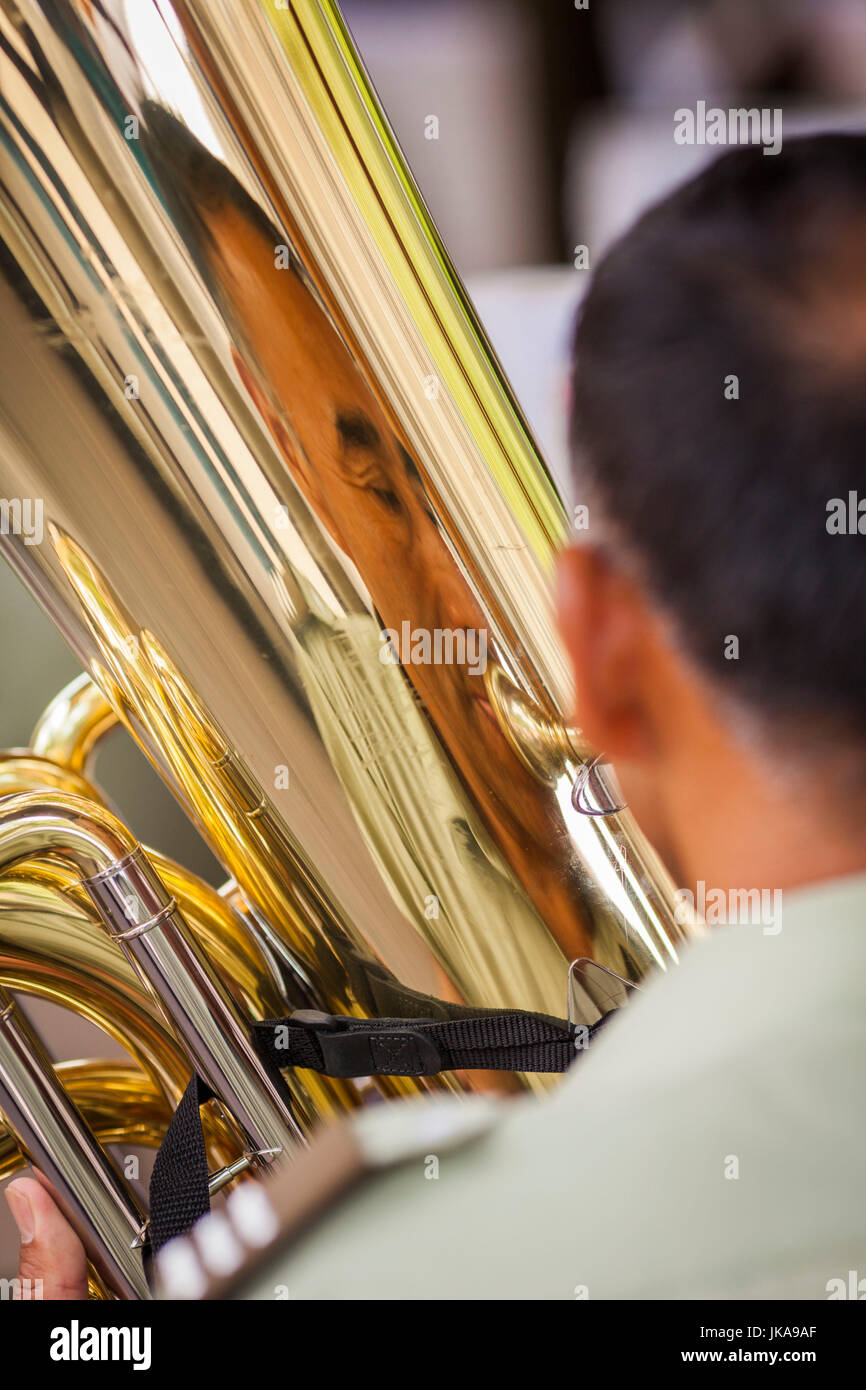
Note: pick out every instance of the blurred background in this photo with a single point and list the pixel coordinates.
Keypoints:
(535, 128)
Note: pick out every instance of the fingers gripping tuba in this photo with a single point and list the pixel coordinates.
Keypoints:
(260, 466)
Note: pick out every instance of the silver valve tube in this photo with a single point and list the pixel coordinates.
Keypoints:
(67, 1157)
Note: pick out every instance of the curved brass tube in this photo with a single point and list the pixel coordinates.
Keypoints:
(91, 977)
(70, 729)
(52, 949)
(52, 945)
(73, 831)
(23, 771)
(243, 966)
(215, 925)
(141, 915)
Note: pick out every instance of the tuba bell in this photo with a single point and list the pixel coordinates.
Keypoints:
(262, 469)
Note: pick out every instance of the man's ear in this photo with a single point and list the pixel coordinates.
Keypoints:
(606, 628)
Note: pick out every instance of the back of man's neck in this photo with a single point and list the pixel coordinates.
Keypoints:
(744, 830)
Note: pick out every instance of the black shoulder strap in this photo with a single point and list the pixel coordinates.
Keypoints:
(179, 1179)
(349, 1047)
(343, 1046)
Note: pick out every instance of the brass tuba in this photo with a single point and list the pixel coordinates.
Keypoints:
(260, 465)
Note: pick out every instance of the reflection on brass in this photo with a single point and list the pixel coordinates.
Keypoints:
(297, 531)
(70, 729)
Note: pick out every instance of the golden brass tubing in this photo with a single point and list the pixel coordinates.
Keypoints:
(70, 728)
(53, 945)
(51, 949)
(67, 736)
(22, 770)
(121, 1103)
(225, 937)
(142, 916)
(67, 827)
(215, 926)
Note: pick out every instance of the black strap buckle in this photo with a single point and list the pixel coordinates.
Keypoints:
(352, 1047)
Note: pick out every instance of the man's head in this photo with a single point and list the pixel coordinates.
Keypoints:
(717, 626)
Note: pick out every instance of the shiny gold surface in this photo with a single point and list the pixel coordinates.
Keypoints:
(70, 843)
(51, 948)
(21, 770)
(250, 471)
(70, 729)
(52, 944)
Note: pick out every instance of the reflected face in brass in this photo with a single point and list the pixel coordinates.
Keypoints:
(361, 484)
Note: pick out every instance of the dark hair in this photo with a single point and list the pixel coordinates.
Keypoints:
(755, 269)
(193, 184)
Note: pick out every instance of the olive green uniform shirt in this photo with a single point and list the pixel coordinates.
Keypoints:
(710, 1144)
